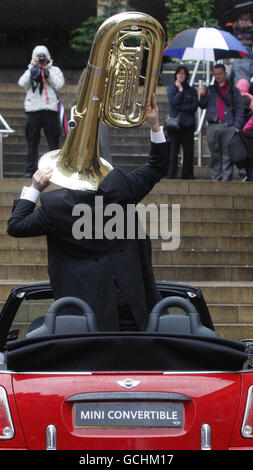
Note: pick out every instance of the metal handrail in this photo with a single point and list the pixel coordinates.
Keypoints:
(3, 133)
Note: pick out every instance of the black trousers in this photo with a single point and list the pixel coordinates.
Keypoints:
(185, 137)
(37, 120)
(126, 318)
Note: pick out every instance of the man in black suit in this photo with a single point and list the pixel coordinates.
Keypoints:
(115, 275)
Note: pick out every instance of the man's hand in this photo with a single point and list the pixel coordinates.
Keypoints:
(41, 179)
(152, 115)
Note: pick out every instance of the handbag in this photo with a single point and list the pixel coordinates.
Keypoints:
(171, 123)
(238, 150)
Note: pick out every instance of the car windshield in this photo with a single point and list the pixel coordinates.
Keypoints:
(29, 314)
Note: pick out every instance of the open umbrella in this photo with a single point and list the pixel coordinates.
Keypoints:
(208, 44)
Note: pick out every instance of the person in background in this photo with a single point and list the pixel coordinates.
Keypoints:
(224, 114)
(41, 80)
(242, 25)
(247, 173)
(242, 69)
(239, 23)
(243, 86)
(183, 101)
(246, 125)
(248, 115)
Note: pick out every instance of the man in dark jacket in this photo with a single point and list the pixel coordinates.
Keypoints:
(114, 275)
(224, 119)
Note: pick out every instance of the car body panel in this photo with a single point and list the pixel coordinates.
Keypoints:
(42, 400)
(44, 403)
(18, 441)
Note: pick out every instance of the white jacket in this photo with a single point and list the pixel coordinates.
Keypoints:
(35, 101)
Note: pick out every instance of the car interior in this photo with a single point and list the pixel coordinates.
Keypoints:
(46, 335)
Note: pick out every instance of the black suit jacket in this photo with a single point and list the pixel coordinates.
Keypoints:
(88, 268)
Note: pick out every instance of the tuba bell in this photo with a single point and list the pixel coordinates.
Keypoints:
(123, 46)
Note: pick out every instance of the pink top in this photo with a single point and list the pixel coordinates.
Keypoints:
(243, 85)
(220, 107)
(249, 125)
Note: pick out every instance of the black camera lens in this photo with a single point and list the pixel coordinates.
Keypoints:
(42, 59)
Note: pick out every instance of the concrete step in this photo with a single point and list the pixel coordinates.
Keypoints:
(6, 285)
(217, 201)
(31, 272)
(8, 86)
(231, 313)
(179, 258)
(187, 273)
(215, 215)
(169, 187)
(211, 243)
(187, 243)
(202, 257)
(22, 244)
(13, 111)
(227, 292)
(231, 307)
(235, 331)
(23, 255)
(181, 273)
(202, 228)
(211, 188)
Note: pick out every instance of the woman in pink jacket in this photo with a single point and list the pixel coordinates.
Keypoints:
(243, 85)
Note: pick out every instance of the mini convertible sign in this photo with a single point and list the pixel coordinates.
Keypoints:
(128, 414)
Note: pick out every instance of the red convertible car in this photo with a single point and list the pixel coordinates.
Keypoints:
(64, 385)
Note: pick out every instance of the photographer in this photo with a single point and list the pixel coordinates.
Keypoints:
(41, 80)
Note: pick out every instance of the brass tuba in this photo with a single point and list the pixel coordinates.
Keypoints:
(111, 92)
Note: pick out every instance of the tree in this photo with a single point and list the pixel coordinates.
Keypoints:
(82, 37)
(184, 14)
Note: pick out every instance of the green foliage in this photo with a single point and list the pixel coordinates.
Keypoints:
(184, 14)
(82, 37)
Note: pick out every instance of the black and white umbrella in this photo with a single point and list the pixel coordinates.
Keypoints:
(210, 44)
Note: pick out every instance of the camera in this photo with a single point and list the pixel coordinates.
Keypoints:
(42, 59)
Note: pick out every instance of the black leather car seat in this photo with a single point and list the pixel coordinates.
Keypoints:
(68, 315)
(160, 320)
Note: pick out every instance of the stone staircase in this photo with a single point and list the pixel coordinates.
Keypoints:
(129, 147)
(215, 252)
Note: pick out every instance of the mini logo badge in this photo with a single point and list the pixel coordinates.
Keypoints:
(128, 383)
